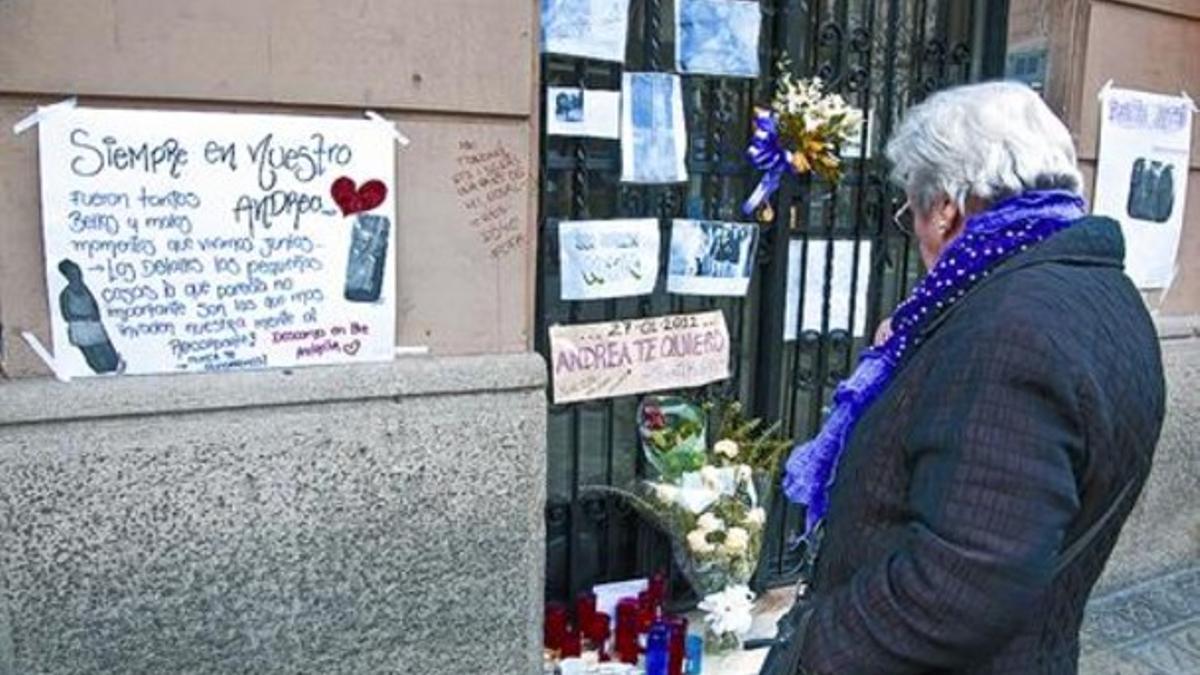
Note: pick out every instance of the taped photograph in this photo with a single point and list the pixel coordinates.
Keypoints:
(711, 257)
(591, 113)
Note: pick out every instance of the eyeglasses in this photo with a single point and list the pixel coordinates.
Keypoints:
(903, 218)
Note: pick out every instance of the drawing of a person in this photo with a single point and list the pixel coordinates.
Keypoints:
(84, 328)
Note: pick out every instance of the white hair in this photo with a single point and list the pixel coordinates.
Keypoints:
(988, 141)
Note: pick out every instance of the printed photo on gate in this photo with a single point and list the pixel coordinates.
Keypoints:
(653, 131)
(568, 106)
(717, 37)
(711, 257)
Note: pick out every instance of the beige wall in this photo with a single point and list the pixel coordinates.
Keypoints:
(1028, 23)
(454, 74)
(1140, 44)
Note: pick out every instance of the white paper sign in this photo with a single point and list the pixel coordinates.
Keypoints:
(711, 258)
(717, 37)
(1142, 177)
(608, 258)
(595, 29)
(608, 595)
(593, 113)
(653, 133)
(814, 286)
(184, 242)
(617, 358)
(853, 148)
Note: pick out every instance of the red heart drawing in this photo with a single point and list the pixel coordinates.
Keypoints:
(351, 199)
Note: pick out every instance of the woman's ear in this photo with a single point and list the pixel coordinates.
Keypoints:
(949, 220)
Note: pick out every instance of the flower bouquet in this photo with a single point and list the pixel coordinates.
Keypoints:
(800, 133)
(710, 501)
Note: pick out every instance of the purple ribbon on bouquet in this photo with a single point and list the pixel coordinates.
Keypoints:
(767, 154)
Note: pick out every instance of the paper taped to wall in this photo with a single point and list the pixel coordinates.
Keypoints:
(184, 242)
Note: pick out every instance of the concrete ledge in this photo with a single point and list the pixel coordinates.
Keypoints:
(374, 519)
(25, 401)
(1177, 327)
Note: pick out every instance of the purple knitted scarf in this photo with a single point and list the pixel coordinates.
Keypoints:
(989, 238)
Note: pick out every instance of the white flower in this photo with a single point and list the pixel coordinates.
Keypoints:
(710, 523)
(736, 540)
(727, 447)
(710, 476)
(729, 611)
(698, 542)
(756, 516)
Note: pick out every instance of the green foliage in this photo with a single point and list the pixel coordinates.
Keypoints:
(760, 449)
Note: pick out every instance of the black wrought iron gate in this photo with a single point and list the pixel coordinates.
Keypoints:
(882, 55)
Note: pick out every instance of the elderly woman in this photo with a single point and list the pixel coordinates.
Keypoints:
(970, 482)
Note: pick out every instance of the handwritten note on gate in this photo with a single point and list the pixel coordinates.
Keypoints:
(182, 242)
(607, 258)
(603, 360)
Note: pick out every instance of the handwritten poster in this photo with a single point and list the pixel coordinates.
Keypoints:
(186, 242)
(844, 284)
(617, 358)
(608, 258)
(1142, 177)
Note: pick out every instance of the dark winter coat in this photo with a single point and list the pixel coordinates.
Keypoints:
(1011, 430)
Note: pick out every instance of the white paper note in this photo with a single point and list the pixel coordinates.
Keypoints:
(184, 242)
(593, 113)
(717, 37)
(608, 258)
(594, 29)
(653, 133)
(1142, 178)
(814, 286)
(617, 358)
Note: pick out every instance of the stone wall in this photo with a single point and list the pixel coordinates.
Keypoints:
(1163, 532)
(373, 519)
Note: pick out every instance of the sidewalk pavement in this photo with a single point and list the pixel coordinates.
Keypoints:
(1149, 628)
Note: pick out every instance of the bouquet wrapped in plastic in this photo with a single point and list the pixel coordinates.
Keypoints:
(709, 500)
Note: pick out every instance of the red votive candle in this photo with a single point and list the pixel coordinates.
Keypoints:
(598, 632)
(647, 611)
(677, 644)
(554, 630)
(627, 630)
(570, 644)
(585, 610)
